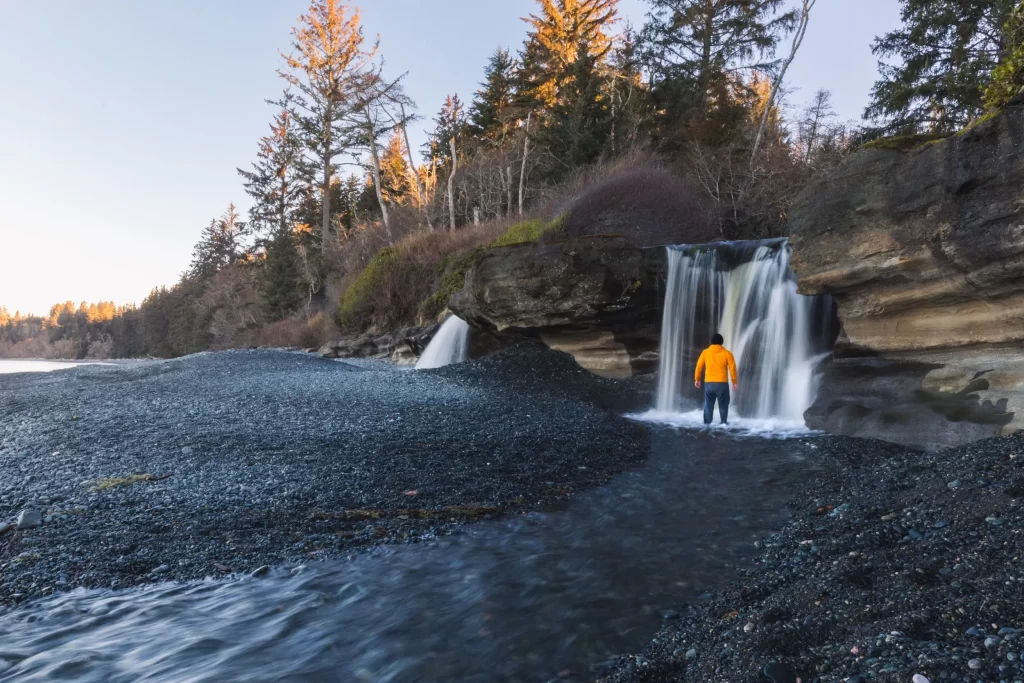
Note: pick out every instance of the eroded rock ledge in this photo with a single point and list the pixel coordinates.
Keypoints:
(924, 252)
(597, 298)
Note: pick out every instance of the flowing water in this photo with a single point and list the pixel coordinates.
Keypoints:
(532, 598)
(748, 293)
(449, 346)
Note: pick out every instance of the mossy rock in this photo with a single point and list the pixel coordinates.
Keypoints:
(359, 291)
(528, 232)
(904, 143)
(452, 273)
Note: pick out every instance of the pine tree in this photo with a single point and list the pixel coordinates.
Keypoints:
(449, 123)
(328, 69)
(1008, 77)
(945, 51)
(396, 178)
(554, 41)
(698, 52)
(280, 278)
(273, 183)
(579, 123)
(219, 246)
(490, 113)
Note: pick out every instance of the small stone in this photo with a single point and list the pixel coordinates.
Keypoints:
(261, 571)
(691, 654)
(974, 664)
(4, 528)
(855, 679)
(920, 678)
(1011, 656)
(749, 627)
(915, 535)
(992, 641)
(888, 518)
(1007, 631)
(994, 521)
(941, 525)
(28, 519)
(162, 569)
(954, 484)
(780, 673)
(975, 631)
(186, 450)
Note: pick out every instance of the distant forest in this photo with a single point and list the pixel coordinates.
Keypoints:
(677, 130)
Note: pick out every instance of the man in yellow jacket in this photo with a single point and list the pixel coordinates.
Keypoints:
(720, 366)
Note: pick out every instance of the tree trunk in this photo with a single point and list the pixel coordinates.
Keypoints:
(375, 158)
(508, 191)
(451, 185)
(326, 201)
(798, 39)
(416, 174)
(522, 172)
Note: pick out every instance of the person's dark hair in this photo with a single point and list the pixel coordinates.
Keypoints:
(717, 339)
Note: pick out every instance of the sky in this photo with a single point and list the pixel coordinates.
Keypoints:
(124, 121)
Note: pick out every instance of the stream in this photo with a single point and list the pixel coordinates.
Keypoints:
(536, 597)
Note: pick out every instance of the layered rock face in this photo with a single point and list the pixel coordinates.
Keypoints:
(924, 252)
(597, 298)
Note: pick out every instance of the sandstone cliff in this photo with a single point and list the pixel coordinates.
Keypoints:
(924, 252)
(597, 298)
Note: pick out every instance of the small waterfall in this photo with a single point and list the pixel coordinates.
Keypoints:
(450, 345)
(747, 292)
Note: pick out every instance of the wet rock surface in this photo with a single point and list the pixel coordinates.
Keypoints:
(224, 463)
(897, 564)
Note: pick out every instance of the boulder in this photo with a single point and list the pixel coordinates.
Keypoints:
(597, 298)
(923, 251)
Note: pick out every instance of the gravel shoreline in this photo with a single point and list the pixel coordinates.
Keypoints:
(228, 462)
(896, 564)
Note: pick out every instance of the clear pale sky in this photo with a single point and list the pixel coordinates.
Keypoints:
(123, 121)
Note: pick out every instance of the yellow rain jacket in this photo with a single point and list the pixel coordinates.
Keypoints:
(720, 365)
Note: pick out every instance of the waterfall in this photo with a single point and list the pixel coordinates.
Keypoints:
(450, 345)
(746, 291)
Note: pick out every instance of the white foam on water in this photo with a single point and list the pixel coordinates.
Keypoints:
(449, 346)
(770, 428)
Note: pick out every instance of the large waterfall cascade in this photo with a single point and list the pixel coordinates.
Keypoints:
(449, 346)
(746, 291)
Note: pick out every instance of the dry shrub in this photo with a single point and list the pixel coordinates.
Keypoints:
(639, 197)
(390, 289)
(298, 331)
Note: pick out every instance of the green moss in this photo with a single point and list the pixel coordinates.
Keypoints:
(527, 231)
(452, 272)
(359, 291)
(987, 116)
(115, 482)
(904, 143)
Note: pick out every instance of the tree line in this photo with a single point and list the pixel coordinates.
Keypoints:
(700, 82)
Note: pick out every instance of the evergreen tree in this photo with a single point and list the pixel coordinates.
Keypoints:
(945, 53)
(490, 113)
(396, 178)
(698, 52)
(328, 69)
(450, 123)
(1008, 77)
(273, 183)
(579, 123)
(554, 41)
(280, 280)
(219, 246)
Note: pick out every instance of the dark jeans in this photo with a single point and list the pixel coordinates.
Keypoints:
(716, 391)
